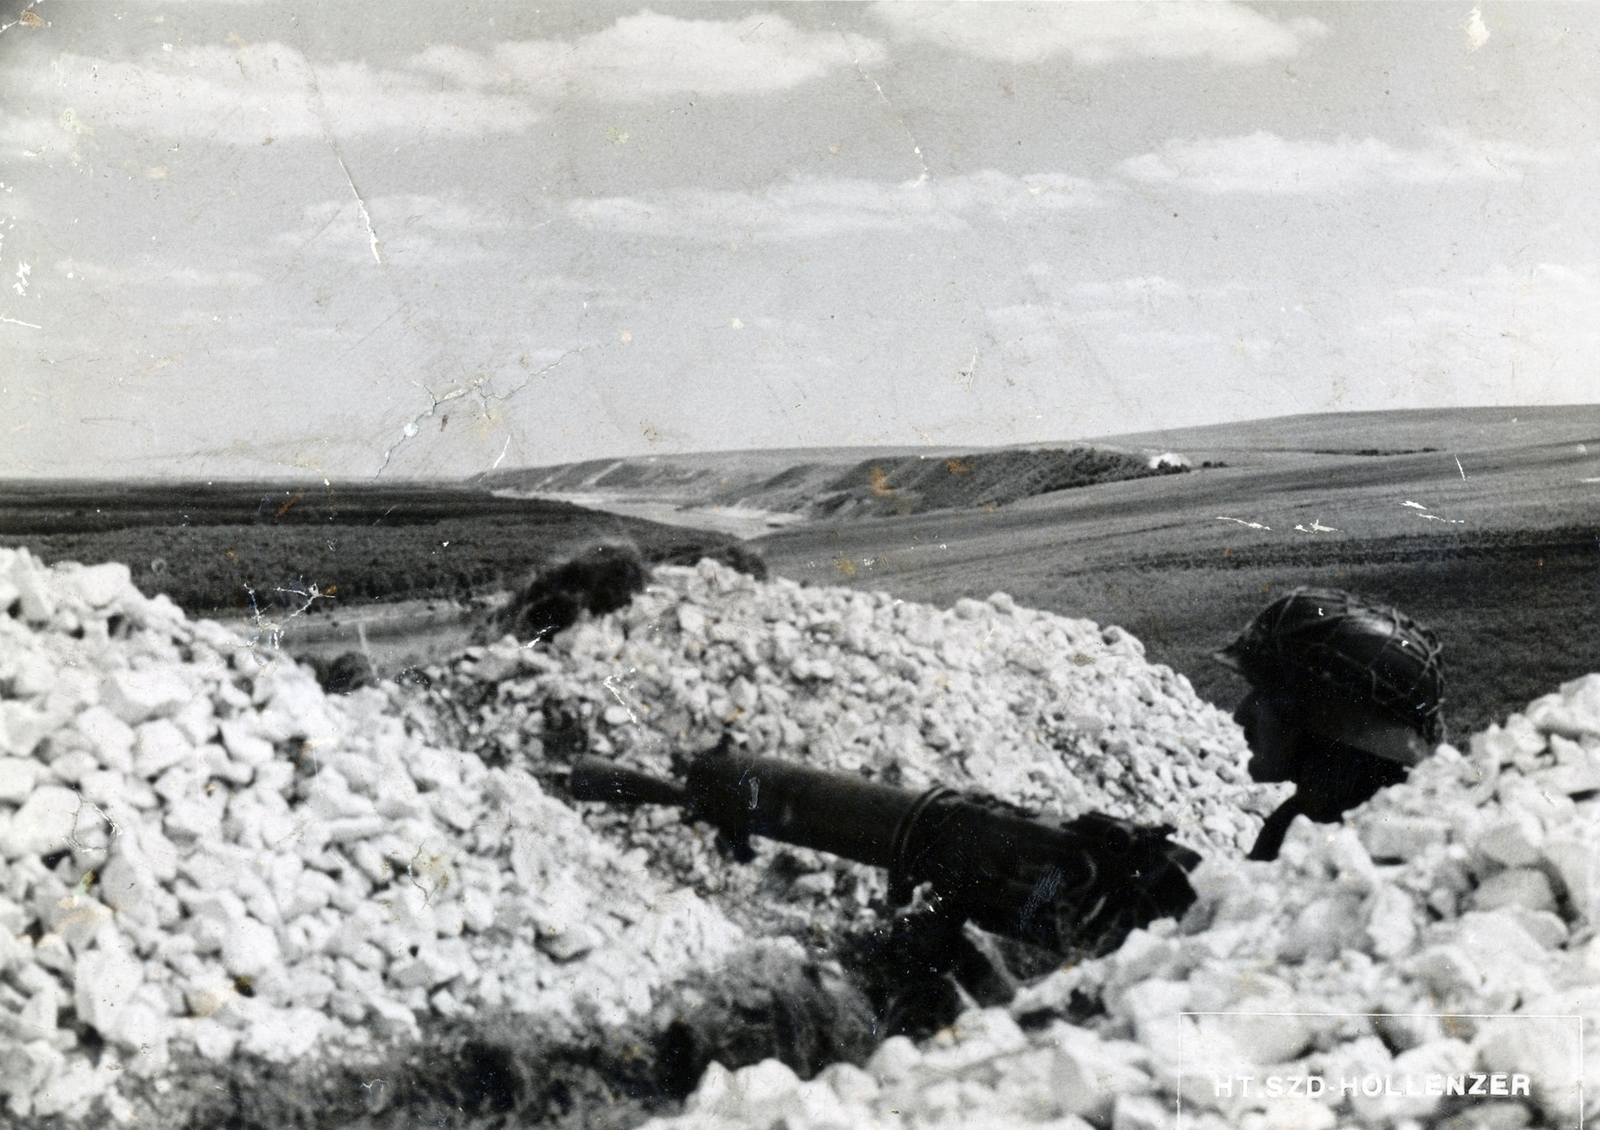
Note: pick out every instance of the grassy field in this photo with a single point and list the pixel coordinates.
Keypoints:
(1484, 523)
(1499, 552)
(210, 547)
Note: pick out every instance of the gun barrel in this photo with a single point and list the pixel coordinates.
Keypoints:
(841, 813)
(595, 778)
(1073, 887)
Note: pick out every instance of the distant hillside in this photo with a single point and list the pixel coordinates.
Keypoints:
(712, 478)
(879, 487)
(832, 483)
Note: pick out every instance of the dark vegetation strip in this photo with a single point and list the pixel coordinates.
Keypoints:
(993, 478)
(220, 550)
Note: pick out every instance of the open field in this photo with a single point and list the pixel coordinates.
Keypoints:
(1500, 554)
(1482, 522)
(259, 553)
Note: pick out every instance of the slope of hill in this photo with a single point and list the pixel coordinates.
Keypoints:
(1493, 542)
(815, 484)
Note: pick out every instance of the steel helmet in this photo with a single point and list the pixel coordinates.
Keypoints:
(1363, 674)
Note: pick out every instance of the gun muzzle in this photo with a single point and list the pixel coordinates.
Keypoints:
(595, 778)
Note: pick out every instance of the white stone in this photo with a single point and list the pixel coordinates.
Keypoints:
(43, 824)
(1402, 837)
(33, 675)
(1142, 1112)
(212, 1040)
(1391, 922)
(249, 948)
(1517, 886)
(29, 1068)
(71, 1092)
(1573, 856)
(894, 1060)
(1514, 840)
(429, 968)
(21, 727)
(1087, 1074)
(244, 744)
(762, 1087)
(111, 738)
(105, 979)
(17, 778)
(135, 695)
(282, 1035)
(158, 746)
(96, 585)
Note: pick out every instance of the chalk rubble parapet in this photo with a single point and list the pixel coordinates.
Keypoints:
(205, 856)
(1431, 961)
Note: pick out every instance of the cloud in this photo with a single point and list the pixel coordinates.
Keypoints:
(815, 207)
(157, 274)
(1266, 164)
(39, 137)
(404, 224)
(647, 55)
(246, 93)
(1097, 34)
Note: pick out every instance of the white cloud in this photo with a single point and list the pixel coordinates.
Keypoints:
(1264, 163)
(1096, 34)
(38, 137)
(404, 224)
(246, 93)
(156, 274)
(646, 55)
(815, 207)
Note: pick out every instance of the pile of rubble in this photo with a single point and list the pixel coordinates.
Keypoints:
(1053, 714)
(1433, 961)
(204, 856)
(207, 860)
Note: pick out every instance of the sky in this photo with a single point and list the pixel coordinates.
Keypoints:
(391, 239)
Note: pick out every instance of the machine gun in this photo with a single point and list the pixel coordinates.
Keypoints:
(1077, 888)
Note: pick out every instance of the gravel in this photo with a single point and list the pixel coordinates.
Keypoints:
(1053, 714)
(1444, 932)
(205, 856)
(207, 860)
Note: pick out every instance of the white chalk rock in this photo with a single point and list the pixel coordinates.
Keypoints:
(429, 968)
(109, 736)
(1402, 837)
(244, 742)
(33, 591)
(17, 778)
(33, 675)
(21, 727)
(1142, 1112)
(215, 1041)
(158, 746)
(95, 585)
(1514, 840)
(282, 1035)
(1087, 1074)
(250, 948)
(43, 824)
(1391, 922)
(27, 1069)
(137, 695)
(1517, 886)
(104, 980)
(1546, 1049)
